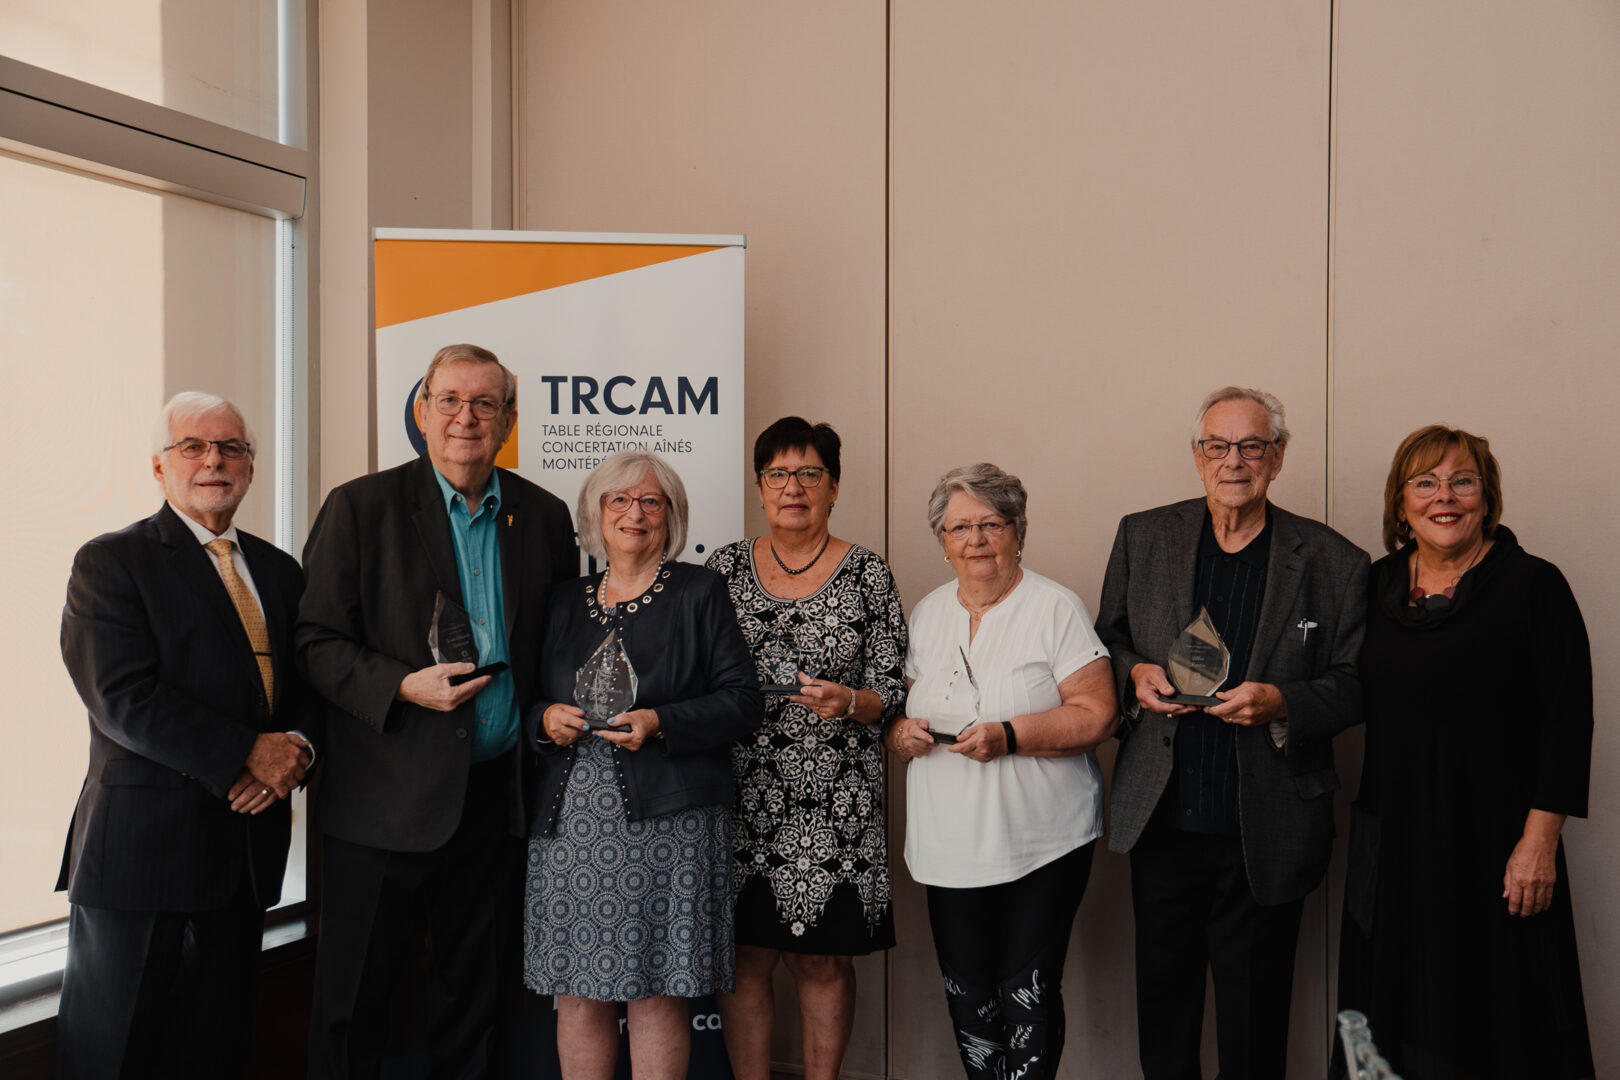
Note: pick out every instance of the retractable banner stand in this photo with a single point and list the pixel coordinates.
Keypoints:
(618, 341)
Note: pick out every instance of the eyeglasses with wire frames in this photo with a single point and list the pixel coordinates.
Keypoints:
(1463, 485)
(809, 476)
(992, 530)
(619, 502)
(196, 449)
(1248, 449)
(451, 405)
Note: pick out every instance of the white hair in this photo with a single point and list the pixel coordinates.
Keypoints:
(621, 470)
(1269, 402)
(191, 403)
(989, 484)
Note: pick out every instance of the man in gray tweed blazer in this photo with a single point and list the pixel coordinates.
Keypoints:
(1227, 812)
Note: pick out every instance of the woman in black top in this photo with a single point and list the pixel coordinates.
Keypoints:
(1458, 939)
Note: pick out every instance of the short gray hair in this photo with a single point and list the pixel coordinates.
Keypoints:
(189, 403)
(998, 489)
(469, 354)
(1269, 402)
(621, 471)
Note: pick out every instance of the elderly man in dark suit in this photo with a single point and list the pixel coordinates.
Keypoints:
(1227, 811)
(178, 635)
(421, 796)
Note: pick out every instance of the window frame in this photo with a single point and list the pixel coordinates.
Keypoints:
(65, 121)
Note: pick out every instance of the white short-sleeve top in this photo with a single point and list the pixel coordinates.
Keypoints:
(970, 823)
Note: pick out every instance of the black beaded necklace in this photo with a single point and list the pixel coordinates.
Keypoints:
(786, 569)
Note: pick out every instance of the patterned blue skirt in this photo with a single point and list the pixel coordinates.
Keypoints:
(620, 910)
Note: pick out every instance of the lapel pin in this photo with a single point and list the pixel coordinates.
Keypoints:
(1305, 626)
(508, 521)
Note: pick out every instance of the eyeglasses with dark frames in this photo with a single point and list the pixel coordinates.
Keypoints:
(1248, 449)
(809, 476)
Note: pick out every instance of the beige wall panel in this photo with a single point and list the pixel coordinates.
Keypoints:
(724, 116)
(735, 117)
(1476, 267)
(422, 135)
(415, 134)
(342, 398)
(1099, 213)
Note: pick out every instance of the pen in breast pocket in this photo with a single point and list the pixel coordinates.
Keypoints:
(1305, 626)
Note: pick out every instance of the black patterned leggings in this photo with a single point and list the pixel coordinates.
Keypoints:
(1001, 949)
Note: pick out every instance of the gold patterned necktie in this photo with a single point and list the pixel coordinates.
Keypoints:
(248, 611)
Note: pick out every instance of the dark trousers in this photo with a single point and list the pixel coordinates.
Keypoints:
(1195, 913)
(377, 906)
(158, 994)
(1001, 950)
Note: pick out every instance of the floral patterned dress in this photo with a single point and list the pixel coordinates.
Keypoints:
(812, 869)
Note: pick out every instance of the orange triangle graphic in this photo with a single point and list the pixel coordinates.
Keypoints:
(418, 278)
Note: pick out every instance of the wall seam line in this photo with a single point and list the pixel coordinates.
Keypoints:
(888, 459)
(1328, 966)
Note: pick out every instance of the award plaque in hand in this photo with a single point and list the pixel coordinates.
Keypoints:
(606, 685)
(1198, 663)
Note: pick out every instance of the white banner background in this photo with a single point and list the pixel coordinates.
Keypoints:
(674, 330)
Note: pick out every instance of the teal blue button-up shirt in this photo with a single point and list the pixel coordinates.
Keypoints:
(478, 565)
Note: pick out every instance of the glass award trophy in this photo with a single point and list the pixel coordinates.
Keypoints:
(450, 640)
(947, 738)
(781, 666)
(606, 685)
(1198, 663)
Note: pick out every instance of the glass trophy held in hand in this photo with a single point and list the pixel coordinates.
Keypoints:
(951, 738)
(781, 666)
(450, 640)
(1198, 663)
(606, 685)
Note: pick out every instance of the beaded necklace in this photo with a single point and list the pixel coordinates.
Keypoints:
(786, 569)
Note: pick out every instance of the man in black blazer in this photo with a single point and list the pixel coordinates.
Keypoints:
(421, 794)
(1227, 811)
(182, 652)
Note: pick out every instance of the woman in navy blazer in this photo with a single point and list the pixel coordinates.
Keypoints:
(630, 895)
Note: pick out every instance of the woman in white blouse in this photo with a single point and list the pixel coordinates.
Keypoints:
(1010, 691)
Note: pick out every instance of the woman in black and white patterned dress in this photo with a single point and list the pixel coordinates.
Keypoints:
(812, 862)
(629, 884)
